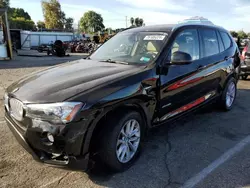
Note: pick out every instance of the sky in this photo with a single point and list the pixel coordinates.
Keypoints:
(230, 14)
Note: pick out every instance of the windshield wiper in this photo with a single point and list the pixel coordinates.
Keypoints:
(112, 61)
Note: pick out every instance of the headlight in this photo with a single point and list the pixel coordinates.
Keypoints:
(63, 112)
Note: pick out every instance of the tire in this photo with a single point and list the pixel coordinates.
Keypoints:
(110, 149)
(229, 95)
(244, 77)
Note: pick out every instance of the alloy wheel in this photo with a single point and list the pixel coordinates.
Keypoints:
(230, 96)
(128, 141)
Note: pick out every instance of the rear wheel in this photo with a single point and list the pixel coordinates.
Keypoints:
(121, 141)
(244, 77)
(229, 94)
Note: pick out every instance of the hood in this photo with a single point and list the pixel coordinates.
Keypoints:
(62, 82)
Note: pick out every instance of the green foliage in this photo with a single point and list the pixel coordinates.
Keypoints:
(132, 20)
(40, 25)
(4, 3)
(53, 15)
(242, 35)
(137, 21)
(19, 19)
(18, 12)
(69, 24)
(91, 22)
(21, 23)
(234, 34)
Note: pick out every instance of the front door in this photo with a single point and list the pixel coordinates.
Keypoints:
(181, 87)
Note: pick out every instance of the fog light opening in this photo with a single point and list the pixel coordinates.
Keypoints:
(50, 137)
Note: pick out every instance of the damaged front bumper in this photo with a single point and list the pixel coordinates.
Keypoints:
(64, 152)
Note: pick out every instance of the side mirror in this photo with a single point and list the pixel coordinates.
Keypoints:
(181, 58)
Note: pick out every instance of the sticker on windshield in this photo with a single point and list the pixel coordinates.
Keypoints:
(146, 59)
(154, 37)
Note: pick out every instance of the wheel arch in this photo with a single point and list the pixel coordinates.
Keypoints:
(96, 131)
(232, 75)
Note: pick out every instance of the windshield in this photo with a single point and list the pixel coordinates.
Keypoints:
(139, 47)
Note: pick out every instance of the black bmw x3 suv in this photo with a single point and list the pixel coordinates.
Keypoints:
(103, 105)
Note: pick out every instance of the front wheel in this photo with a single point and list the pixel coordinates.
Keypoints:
(229, 94)
(121, 141)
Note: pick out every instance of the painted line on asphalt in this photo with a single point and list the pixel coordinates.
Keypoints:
(222, 159)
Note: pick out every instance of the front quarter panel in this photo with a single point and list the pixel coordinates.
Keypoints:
(140, 91)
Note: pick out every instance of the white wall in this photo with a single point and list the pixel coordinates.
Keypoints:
(29, 38)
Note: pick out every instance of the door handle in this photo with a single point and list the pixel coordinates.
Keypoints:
(226, 58)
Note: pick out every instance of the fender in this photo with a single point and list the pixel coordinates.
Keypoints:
(138, 95)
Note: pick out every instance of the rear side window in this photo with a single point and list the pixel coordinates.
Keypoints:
(226, 39)
(220, 42)
(209, 42)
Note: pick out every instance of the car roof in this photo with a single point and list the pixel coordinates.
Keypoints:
(170, 27)
(151, 28)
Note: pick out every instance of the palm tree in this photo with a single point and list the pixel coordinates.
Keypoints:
(137, 22)
(141, 22)
(132, 20)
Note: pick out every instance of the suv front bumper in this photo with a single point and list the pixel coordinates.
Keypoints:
(40, 155)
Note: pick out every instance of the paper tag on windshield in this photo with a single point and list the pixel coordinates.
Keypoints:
(154, 37)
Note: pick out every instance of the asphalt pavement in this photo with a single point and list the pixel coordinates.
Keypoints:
(194, 149)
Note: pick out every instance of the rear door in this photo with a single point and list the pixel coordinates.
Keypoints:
(213, 58)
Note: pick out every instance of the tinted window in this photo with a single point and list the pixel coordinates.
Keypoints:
(187, 41)
(226, 40)
(220, 42)
(209, 42)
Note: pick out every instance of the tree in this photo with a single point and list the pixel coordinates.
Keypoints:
(53, 15)
(139, 22)
(91, 22)
(234, 34)
(19, 19)
(132, 20)
(68, 25)
(21, 23)
(40, 25)
(4, 3)
(242, 34)
(18, 12)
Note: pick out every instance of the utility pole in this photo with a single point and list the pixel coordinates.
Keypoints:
(126, 22)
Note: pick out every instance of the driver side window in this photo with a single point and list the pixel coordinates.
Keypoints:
(186, 41)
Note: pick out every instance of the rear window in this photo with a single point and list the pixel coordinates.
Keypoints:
(226, 39)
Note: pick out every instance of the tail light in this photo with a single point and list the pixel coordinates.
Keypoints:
(244, 53)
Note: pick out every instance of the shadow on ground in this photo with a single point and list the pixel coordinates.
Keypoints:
(172, 154)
